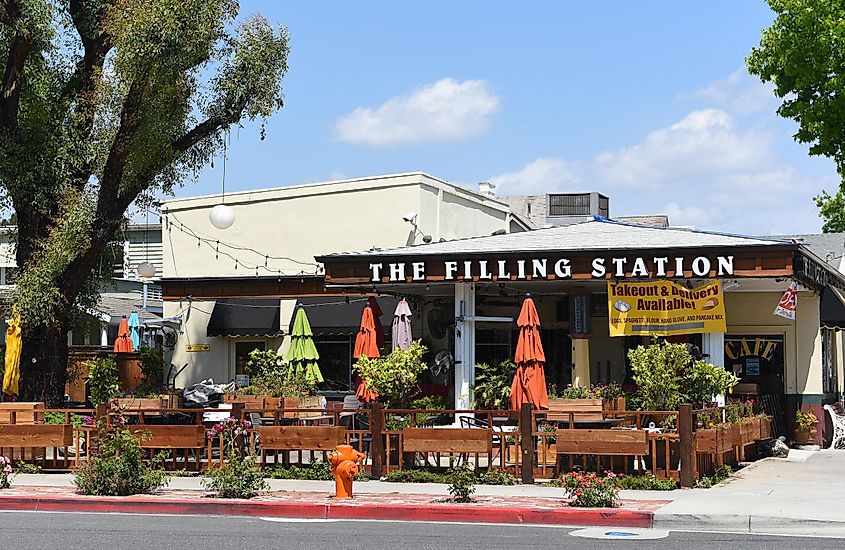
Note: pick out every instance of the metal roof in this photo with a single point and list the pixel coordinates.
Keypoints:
(597, 234)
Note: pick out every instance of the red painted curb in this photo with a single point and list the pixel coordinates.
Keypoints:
(332, 510)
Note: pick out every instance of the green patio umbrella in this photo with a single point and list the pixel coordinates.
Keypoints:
(302, 353)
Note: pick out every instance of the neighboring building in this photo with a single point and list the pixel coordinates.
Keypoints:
(784, 363)
(566, 208)
(119, 297)
(235, 289)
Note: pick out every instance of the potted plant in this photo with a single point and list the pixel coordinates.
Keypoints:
(805, 427)
(493, 385)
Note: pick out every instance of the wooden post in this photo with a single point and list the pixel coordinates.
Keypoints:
(687, 474)
(376, 443)
(527, 434)
(237, 412)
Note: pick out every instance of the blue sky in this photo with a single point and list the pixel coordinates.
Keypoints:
(647, 102)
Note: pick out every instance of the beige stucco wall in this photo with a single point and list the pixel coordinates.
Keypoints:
(301, 222)
(751, 313)
(218, 362)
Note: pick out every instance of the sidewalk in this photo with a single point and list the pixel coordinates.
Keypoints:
(797, 495)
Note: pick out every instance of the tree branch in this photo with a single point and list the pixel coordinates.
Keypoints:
(10, 91)
(120, 149)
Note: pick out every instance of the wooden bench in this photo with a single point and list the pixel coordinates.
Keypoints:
(174, 437)
(299, 438)
(460, 441)
(575, 410)
(601, 443)
(23, 412)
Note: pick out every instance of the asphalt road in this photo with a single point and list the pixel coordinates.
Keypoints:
(25, 530)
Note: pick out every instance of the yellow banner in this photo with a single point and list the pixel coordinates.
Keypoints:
(662, 308)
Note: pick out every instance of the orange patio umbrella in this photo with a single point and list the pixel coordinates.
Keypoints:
(123, 343)
(529, 383)
(377, 313)
(366, 345)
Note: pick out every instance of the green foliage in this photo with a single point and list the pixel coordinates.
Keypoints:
(239, 477)
(594, 391)
(394, 376)
(496, 477)
(805, 420)
(27, 468)
(722, 473)
(493, 385)
(263, 360)
(59, 418)
(461, 483)
(103, 380)
(118, 467)
(590, 490)
(319, 471)
(667, 376)
(111, 103)
(646, 482)
(270, 376)
(801, 54)
(152, 367)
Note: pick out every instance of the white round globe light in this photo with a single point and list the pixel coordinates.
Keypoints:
(146, 270)
(222, 216)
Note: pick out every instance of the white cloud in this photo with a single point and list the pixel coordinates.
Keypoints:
(708, 170)
(705, 141)
(447, 110)
(549, 174)
(739, 93)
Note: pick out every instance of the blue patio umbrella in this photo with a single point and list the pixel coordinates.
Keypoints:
(135, 330)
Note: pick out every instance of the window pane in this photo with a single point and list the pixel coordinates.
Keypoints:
(335, 361)
(242, 350)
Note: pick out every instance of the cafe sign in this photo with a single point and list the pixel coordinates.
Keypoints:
(664, 308)
(600, 267)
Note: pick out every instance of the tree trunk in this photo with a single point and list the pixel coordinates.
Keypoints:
(44, 362)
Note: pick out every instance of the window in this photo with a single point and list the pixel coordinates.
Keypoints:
(494, 345)
(829, 381)
(336, 360)
(242, 350)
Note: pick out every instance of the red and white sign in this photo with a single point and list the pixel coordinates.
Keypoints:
(788, 302)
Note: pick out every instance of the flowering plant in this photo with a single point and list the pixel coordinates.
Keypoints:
(5, 471)
(230, 429)
(590, 490)
(88, 421)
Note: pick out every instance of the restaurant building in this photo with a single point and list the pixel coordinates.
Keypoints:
(604, 286)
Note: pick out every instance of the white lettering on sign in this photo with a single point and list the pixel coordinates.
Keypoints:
(418, 271)
(538, 268)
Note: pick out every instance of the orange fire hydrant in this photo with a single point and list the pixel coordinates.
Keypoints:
(344, 460)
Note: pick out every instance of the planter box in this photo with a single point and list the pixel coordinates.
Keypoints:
(589, 410)
(309, 402)
(140, 403)
(25, 412)
(546, 452)
(613, 405)
(718, 440)
(805, 437)
(766, 427)
(746, 432)
(513, 451)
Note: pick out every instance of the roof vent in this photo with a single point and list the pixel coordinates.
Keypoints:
(487, 189)
(567, 208)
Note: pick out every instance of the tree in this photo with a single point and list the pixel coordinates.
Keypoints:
(106, 103)
(802, 54)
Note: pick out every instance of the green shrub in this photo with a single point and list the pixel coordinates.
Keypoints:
(27, 468)
(590, 490)
(103, 380)
(496, 477)
(316, 471)
(59, 418)
(118, 468)
(239, 477)
(647, 482)
(462, 483)
(152, 367)
(722, 473)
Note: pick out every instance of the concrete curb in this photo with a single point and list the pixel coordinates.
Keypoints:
(332, 510)
(749, 523)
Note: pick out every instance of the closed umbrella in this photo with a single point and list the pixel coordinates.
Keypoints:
(135, 330)
(123, 343)
(377, 326)
(12, 374)
(365, 344)
(402, 338)
(302, 353)
(529, 383)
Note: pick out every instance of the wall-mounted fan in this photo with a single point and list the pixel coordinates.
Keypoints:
(438, 323)
(442, 366)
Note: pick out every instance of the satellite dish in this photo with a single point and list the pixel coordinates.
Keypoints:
(437, 323)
